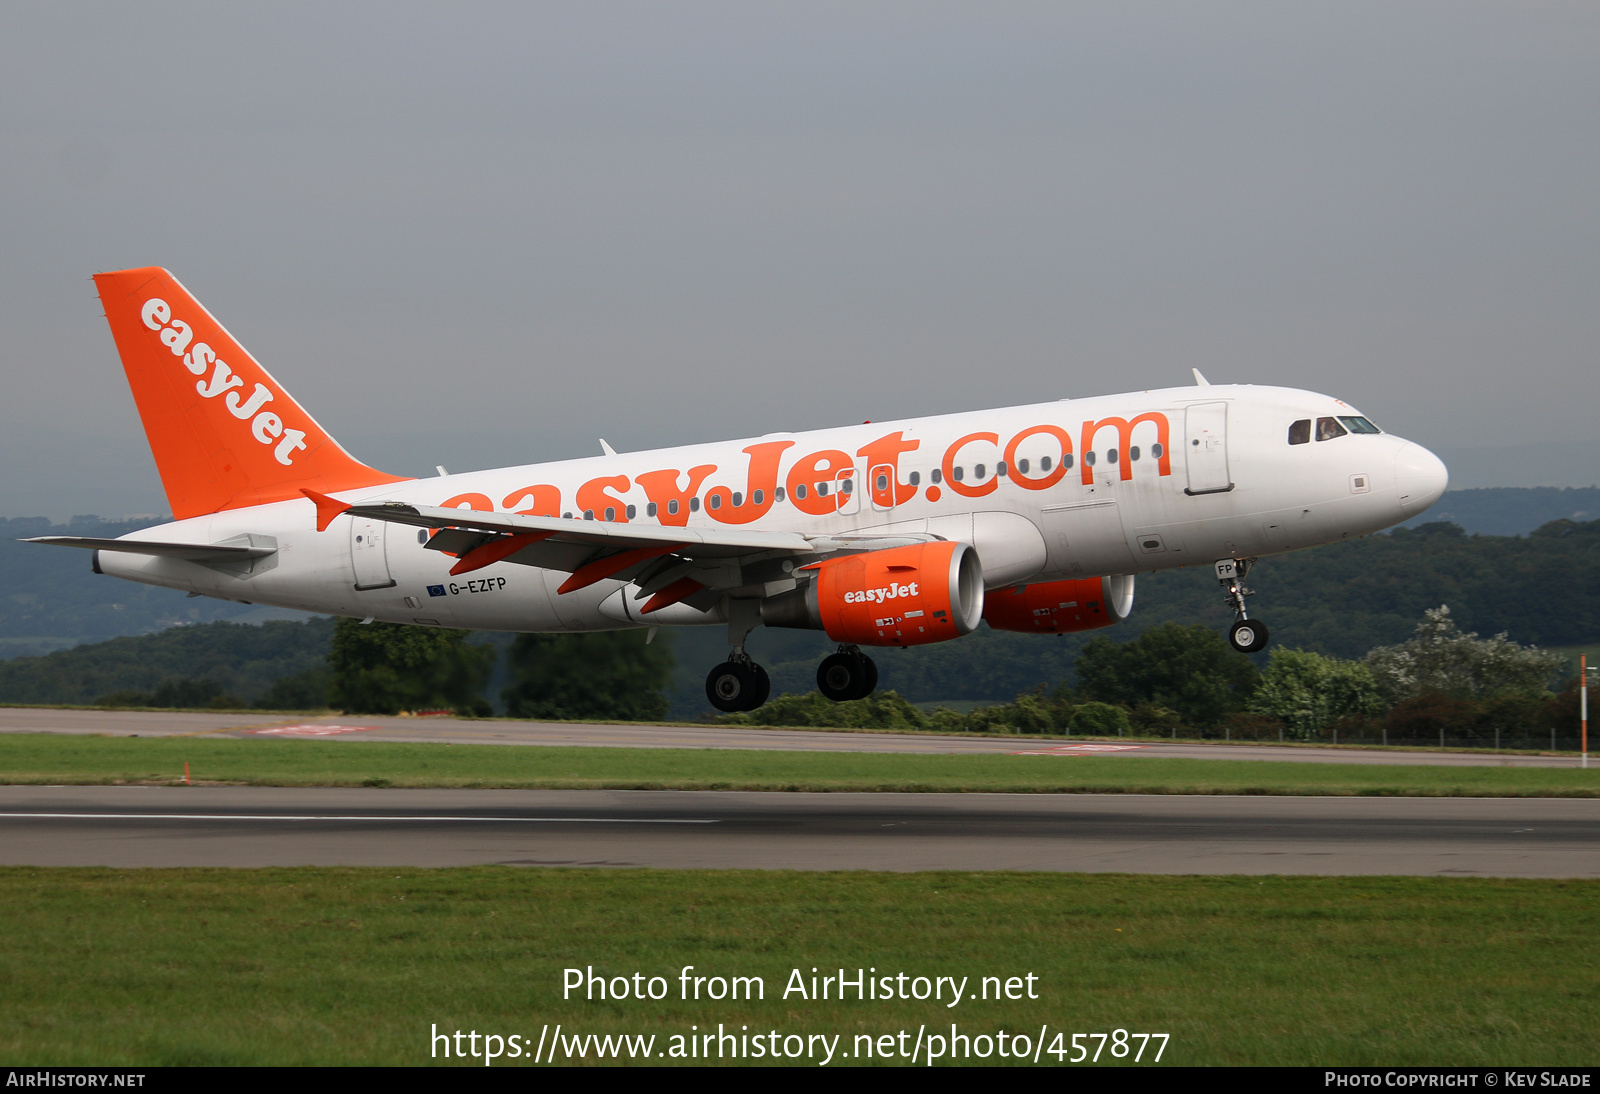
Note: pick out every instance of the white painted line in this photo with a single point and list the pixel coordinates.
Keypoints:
(333, 817)
(308, 730)
(1078, 750)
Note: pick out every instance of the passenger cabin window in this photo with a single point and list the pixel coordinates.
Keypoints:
(1359, 425)
(1328, 429)
(1044, 463)
(1300, 432)
(916, 478)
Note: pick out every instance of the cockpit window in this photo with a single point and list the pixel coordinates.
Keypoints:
(1359, 425)
(1328, 429)
(1300, 432)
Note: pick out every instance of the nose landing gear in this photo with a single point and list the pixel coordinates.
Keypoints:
(847, 674)
(1246, 635)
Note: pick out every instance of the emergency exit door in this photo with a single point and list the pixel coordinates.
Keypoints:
(368, 554)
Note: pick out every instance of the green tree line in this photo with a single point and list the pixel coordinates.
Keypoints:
(1335, 602)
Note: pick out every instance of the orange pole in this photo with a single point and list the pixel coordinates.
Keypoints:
(1583, 703)
(186, 773)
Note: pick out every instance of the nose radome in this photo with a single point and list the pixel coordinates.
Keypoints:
(1420, 476)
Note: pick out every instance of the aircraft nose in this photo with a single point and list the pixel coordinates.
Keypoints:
(1420, 476)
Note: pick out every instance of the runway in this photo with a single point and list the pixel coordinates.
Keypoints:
(504, 731)
(269, 826)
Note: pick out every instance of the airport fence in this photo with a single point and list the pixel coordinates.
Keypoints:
(1378, 735)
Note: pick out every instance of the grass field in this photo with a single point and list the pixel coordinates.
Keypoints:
(354, 966)
(55, 759)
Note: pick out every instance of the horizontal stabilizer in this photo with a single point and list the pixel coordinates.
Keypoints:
(194, 552)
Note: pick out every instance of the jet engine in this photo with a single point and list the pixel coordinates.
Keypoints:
(1060, 607)
(899, 596)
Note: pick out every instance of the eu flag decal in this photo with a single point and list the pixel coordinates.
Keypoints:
(435, 590)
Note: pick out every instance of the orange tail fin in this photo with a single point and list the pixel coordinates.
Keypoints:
(224, 433)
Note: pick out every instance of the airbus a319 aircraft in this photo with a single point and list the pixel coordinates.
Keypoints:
(1031, 518)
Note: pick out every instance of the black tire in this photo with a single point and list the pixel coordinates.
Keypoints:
(1248, 636)
(839, 676)
(731, 687)
(869, 676)
(763, 687)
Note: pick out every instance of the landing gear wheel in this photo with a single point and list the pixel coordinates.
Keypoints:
(763, 686)
(847, 675)
(1248, 636)
(870, 683)
(737, 685)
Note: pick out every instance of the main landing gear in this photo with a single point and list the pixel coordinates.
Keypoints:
(848, 674)
(738, 684)
(1246, 635)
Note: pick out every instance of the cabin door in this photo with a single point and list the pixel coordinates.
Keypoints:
(1205, 444)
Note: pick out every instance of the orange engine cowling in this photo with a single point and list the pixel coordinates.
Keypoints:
(1059, 607)
(900, 596)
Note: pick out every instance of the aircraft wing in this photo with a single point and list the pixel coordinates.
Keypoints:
(696, 542)
(666, 564)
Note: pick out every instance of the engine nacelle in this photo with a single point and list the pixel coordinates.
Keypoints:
(900, 596)
(1060, 607)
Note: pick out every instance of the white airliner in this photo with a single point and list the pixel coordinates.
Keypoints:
(1033, 518)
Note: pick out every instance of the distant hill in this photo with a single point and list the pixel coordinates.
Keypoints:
(245, 659)
(53, 600)
(1511, 510)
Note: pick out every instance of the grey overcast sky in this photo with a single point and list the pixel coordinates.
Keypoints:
(480, 234)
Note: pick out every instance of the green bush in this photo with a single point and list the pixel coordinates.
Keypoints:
(1099, 720)
(1190, 670)
(603, 675)
(182, 692)
(384, 668)
(1308, 692)
(306, 690)
(880, 710)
